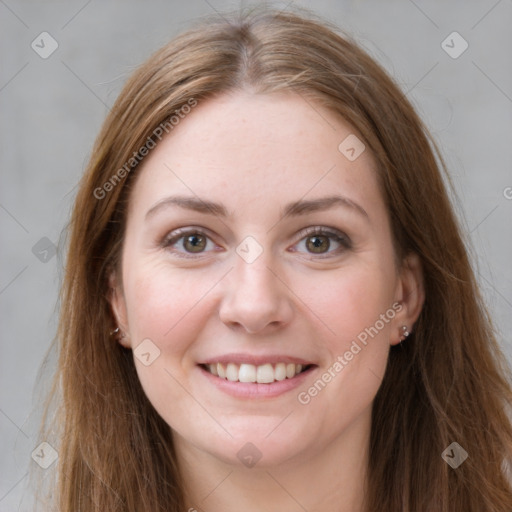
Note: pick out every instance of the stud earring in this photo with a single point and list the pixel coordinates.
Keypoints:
(405, 333)
(116, 331)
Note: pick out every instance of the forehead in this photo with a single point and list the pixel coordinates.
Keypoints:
(252, 148)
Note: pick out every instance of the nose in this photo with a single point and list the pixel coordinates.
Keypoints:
(256, 298)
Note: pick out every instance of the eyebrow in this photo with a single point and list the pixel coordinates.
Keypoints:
(296, 208)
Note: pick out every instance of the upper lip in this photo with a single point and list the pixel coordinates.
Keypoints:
(255, 360)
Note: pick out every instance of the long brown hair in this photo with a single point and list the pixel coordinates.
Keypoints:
(448, 383)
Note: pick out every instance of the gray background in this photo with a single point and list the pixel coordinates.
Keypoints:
(51, 110)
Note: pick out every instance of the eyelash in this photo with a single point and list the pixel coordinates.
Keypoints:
(333, 234)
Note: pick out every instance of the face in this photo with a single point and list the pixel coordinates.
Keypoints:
(260, 292)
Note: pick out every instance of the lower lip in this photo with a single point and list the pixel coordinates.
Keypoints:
(255, 390)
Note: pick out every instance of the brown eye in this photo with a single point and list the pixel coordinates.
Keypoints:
(188, 243)
(323, 242)
(318, 244)
(194, 243)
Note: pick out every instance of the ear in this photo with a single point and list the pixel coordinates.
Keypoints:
(118, 305)
(410, 294)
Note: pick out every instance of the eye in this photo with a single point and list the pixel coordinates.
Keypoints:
(321, 241)
(188, 241)
(317, 240)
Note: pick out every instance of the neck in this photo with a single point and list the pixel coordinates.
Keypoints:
(329, 475)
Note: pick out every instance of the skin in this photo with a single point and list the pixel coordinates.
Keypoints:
(254, 154)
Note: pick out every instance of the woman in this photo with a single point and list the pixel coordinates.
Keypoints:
(267, 303)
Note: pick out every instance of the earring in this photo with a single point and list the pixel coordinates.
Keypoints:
(405, 333)
(117, 331)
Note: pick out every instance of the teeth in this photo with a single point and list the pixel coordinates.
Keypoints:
(232, 372)
(280, 371)
(247, 373)
(263, 374)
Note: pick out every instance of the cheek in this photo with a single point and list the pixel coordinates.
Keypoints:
(351, 301)
(168, 308)
(163, 305)
(357, 306)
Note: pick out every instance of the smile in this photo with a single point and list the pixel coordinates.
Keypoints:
(261, 374)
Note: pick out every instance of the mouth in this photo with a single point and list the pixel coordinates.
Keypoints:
(267, 373)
